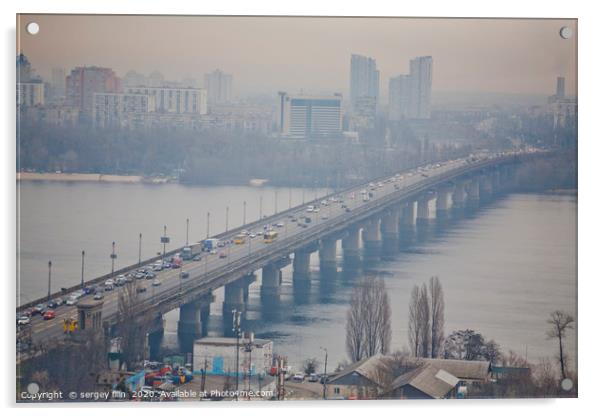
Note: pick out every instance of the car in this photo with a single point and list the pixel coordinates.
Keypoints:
(23, 320)
(99, 296)
(53, 304)
(71, 301)
(166, 265)
(280, 225)
(140, 275)
(198, 257)
(109, 287)
(109, 282)
(324, 217)
(184, 275)
(214, 251)
(141, 289)
(347, 209)
(252, 235)
(303, 225)
(49, 315)
(156, 282)
(223, 255)
(88, 290)
(175, 266)
(293, 219)
(120, 281)
(313, 378)
(221, 244)
(157, 268)
(299, 377)
(38, 309)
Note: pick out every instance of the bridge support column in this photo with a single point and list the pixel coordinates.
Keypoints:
(485, 190)
(155, 338)
(390, 229)
(234, 298)
(189, 323)
(301, 264)
(473, 196)
(270, 281)
(409, 212)
(372, 240)
(351, 246)
(495, 181)
(422, 214)
(328, 255)
(459, 195)
(442, 202)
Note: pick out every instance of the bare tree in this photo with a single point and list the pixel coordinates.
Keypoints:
(133, 325)
(424, 311)
(368, 320)
(413, 322)
(560, 322)
(437, 316)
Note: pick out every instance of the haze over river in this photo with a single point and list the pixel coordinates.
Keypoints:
(503, 269)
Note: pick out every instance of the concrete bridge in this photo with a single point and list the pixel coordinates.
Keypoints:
(373, 214)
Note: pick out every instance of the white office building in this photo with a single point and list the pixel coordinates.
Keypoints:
(310, 116)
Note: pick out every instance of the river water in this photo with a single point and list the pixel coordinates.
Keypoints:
(503, 268)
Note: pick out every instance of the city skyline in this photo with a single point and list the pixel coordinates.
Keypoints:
(511, 55)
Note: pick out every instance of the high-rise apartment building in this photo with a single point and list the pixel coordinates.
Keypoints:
(121, 110)
(30, 94)
(305, 116)
(219, 87)
(57, 80)
(410, 95)
(83, 82)
(175, 100)
(364, 81)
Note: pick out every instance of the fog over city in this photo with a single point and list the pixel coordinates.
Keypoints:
(311, 54)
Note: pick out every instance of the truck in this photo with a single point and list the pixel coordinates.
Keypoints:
(210, 244)
(186, 253)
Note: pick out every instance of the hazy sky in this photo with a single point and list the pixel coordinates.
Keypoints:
(266, 54)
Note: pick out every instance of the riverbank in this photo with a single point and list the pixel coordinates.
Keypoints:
(88, 177)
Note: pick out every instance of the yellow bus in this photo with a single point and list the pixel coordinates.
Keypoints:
(270, 236)
(240, 239)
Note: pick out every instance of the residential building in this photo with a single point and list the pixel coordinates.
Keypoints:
(30, 94)
(307, 116)
(364, 82)
(57, 83)
(174, 100)
(217, 356)
(83, 82)
(121, 110)
(410, 95)
(562, 108)
(219, 87)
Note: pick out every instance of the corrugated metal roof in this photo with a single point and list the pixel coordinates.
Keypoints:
(462, 369)
(428, 379)
(368, 367)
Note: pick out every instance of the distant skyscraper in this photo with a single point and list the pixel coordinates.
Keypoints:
(83, 82)
(410, 95)
(175, 100)
(560, 87)
(364, 81)
(304, 116)
(24, 71)
(219, 87)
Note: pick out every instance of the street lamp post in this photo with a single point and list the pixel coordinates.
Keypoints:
(187, 226)
(260, 207)
(139, 249)
(208, 217)
(49, 278)
(324, 378)
(113, 257)
(236, 328)
(164, 241)
(83, 254)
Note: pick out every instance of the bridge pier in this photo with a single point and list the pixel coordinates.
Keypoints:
(351, 246)
(442, 202)
(495, 181)
(192, 323)
(301, 264)
(485, 189)
(270, 281)
(155, 338)
(372, 240)
(473, 196)
(390, 232)
(328, 255)
(422, 214)
(459, 195)
(409, 212)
